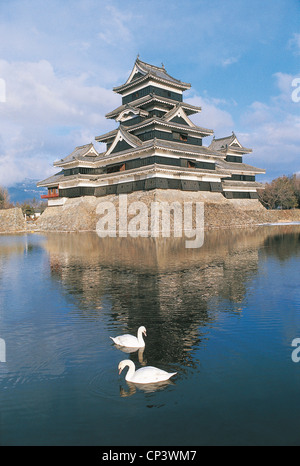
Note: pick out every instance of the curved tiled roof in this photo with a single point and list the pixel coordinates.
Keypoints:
(241, 167)
(159, 121)
(223, 144)
(164, 145)
(160, 72)
(54, 179)
(87, 150)
(148, 71)
(191, 109)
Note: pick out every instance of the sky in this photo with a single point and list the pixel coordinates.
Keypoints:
(60, 60)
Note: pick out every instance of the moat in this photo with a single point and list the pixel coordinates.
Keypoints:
(222, 316)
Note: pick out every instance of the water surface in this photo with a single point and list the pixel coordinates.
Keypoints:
(223, 316)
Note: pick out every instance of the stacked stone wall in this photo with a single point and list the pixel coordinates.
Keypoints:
(12, 221)
(80, 214)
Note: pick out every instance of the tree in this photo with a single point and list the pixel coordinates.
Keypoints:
(31, 206)
(284, 189)
(281, 193)
(296, 185)
(267, 196)
(27, 209)
(4, 199)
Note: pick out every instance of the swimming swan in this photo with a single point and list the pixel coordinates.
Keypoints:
(130, 341)
(146, 374)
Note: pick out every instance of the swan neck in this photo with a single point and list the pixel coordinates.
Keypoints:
(140, 337)
(131, 370)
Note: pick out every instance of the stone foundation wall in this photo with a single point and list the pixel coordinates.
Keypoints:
(275, 216)
(12, 221)
(80, 214)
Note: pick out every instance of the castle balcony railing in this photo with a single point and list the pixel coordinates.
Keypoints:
(49, 196)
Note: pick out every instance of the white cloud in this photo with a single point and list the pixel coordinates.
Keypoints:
(45, 116)
(229, 61)
(114, 27)
(212, 116)
(36, 93)
(274, 131)
(271, 129)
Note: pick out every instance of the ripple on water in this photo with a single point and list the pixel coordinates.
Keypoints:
(105, 384)
(41, 372)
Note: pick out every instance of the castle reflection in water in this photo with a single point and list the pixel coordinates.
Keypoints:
(151, 281)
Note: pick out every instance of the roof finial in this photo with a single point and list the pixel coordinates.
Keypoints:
(138, 56)
(162, 65)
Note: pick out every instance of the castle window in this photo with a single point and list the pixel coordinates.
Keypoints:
(180, 136)
(116, 168)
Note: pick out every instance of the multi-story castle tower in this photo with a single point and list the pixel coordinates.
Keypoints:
(155, 146)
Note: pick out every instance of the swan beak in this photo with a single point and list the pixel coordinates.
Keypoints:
(145, 333)
(120, 370)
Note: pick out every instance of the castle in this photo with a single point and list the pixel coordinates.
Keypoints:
(155, 146)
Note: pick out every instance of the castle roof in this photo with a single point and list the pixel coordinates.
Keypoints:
(178, 147)
(223, 144)
(239, 167)
(52, 180)
(153, 98)
(143, 71)
(193, 129)
(87, 151)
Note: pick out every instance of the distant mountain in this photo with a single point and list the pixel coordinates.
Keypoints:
(26, 190)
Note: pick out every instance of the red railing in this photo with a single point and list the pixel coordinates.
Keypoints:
(49, 196)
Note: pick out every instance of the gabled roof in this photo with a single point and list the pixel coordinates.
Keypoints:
(51, 181)
(152, 98)
(87, 150)
(232, 142)
(155, 143)
(144, 68)
(156, 121)
(172, 125)
(146, 71)
(121, 135)
(104, 137)
(178, 111)
(131, 110)
(184, 148)
(239, 167)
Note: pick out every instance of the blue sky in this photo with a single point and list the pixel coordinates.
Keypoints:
(60, 60)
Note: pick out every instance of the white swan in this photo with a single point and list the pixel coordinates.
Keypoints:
(130, 341)
(148, 374)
